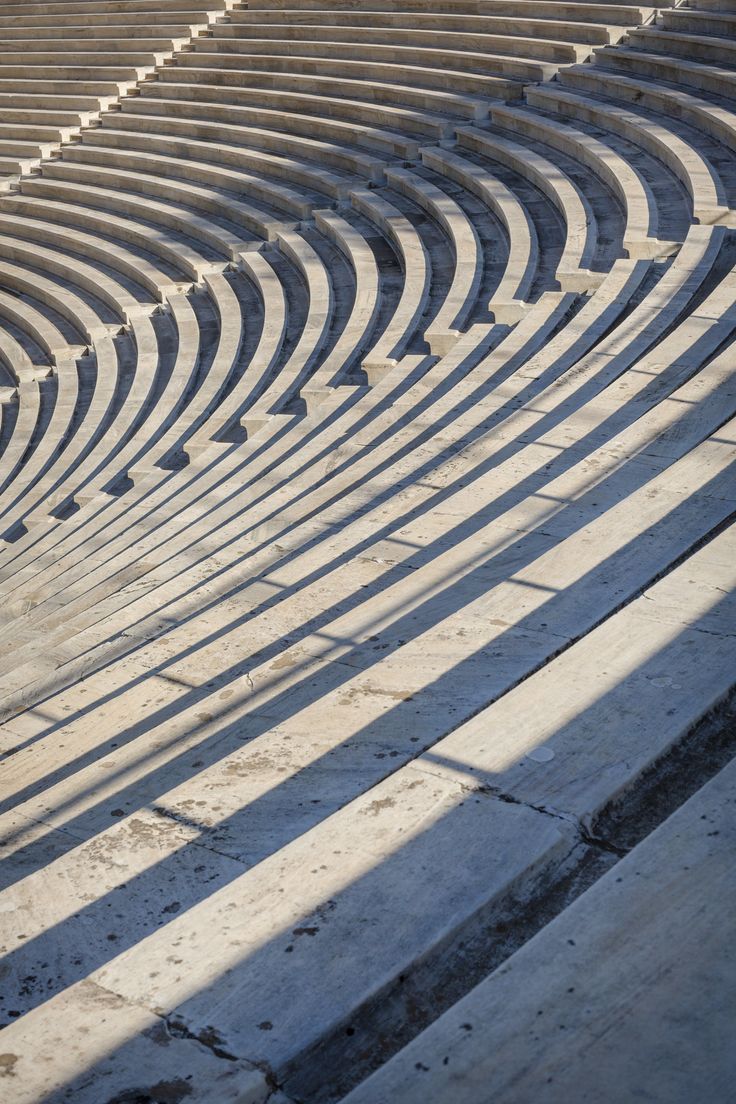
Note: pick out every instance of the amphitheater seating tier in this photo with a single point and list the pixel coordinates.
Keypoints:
(367, 413)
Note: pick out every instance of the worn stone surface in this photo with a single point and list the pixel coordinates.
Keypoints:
(367, 416)
(627, 993)
(89, 1044)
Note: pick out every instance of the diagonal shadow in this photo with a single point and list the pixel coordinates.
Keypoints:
(269, 813)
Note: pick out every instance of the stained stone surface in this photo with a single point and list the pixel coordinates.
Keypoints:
(629, 992)
(367, 426)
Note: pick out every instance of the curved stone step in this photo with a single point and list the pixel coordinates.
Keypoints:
(393, 341)
(664, 903)
(699, 176)
(574, 269)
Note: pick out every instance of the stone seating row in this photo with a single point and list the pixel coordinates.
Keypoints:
(155, 286)
(277, 1053)
(685, 271)
(461, 29)
(534, 1026)
(650, 336)
(449, 301)
(95, 51)
(477, 41)
(708, 48)
(117, 45)
(550, 131)
(622, 347)
(451, 90)
(707, 310)
(578, 9)
(649, 444)
(457, 435)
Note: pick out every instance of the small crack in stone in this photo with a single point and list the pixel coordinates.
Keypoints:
(207, 1037)
(584, 834)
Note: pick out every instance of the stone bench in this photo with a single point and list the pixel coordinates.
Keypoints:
(214, 241)
(29, 402)
(234, 52)
(452, 85)
(534, 1026)
(208, 414)
(670, 301)
(712, 79)
(221, 221)
(126, 64)
(145, 442)
(57, 430)
(114, 36)
(332, 371)
(110, 7)
(39, 327)
(443, 330)
(185, 259)
(709, 118)
(23, 128)
(614, 365)
(103, 91)
(700, 177)
(46, 223)
(509, 298)
(276, 198)
(471, 27)
(421, 109)
(431, 799)
(62, 300)
(606, 365)
(254, 138)
(185, 392)
(415, 264)
(610, 9)
(483, 49)
(573, 270)
(294, 373)
(69, 268)
(253, 162)
(707, 48)
(88, 440)
(620, 176)
(99, 464)
(335, 106)
(374, 135)
(722, 23)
